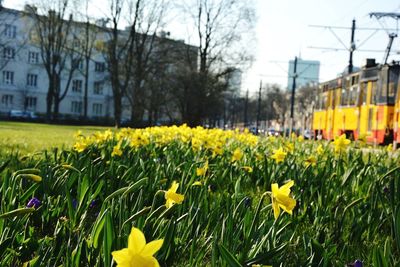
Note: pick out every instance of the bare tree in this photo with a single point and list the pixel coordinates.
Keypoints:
(52, 33)
(128, 52)
(221, 27)
(88, 33)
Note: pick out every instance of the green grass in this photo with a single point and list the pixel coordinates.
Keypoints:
(347, 205)
(32, 137)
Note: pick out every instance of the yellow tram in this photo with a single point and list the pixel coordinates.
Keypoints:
(361, 104)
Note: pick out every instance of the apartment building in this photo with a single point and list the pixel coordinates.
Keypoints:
(24, 81)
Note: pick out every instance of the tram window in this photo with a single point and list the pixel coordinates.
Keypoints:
(343, 97)
(353, 93)
(391, 93)
(354, 80)
(373, 92)
(333, 98)
(347, 83)
(363, 93)
(383, 93)
(324, 99)
(392, 87)
(337, 95)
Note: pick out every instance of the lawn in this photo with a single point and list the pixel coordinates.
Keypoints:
(31, 137)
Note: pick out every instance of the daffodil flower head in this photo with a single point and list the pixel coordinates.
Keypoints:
(80, 146)
(117, 150)
(172, 197)
(389, 148)
(279, 155)
(341, 143)
(248, 169)
(310, 161)
(320, 150)
(237, 155)
(281, 199)
(197, 183)
(203, 170)
(138, 253)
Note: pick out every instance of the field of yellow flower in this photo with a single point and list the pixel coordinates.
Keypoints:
(180, 196)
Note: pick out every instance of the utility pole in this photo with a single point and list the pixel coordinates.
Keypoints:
(352, 46)
(292, 98)
(259, 108)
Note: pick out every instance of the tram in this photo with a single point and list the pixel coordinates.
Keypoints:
(362, 104)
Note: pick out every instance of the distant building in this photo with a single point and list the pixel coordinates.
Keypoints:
(307, 72)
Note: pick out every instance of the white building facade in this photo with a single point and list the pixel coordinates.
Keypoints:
(24, 81)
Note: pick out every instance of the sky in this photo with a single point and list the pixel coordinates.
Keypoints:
(284, 30)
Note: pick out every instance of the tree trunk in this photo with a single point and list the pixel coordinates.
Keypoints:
(85, 96)
(49, 102)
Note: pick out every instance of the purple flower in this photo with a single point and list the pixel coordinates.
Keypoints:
(93, 204)
(33, 202)
(358, 263)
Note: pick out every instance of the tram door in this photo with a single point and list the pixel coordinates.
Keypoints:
(372, 107)
(330, 114)
(366, 109)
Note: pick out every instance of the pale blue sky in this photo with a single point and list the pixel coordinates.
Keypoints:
(283, 31)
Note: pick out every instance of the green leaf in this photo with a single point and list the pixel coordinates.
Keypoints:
(17, 213)
(127, 189)
(228, 257)
(107, 239)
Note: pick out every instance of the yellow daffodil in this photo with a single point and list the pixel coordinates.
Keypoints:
(138, 253)
(248, 169)
(203, 170)
(289, 147)
(341, 143)
(117, 150)
(172, 197)
(197, 183)
(281, 199)
(237, 155)
(80, 146)
(279, 155)
(300, 138)
(320, 150)
(310, 161)
(362, 139)
(389, 148)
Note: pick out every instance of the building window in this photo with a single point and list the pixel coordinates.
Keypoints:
(77, 86)
(33, 57)
(31, 80)
(76, 107)
(99, 66)
(8, 52)
(30, 103)
(98, 88)
(7, 100)
(97, 109)
(77, 64)
(10, 31)
(76, 43)
(8, 77)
